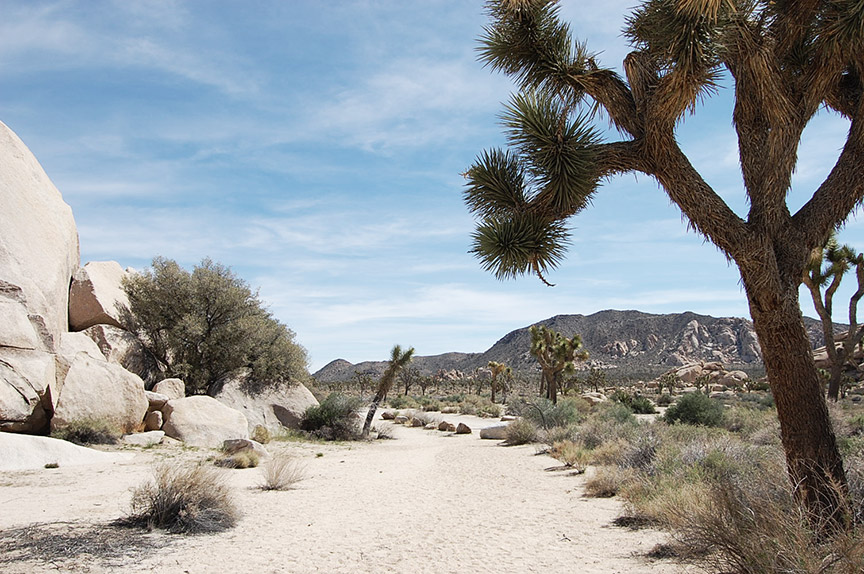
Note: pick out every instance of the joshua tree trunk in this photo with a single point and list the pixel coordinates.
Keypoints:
(370, 415)
(812, 458)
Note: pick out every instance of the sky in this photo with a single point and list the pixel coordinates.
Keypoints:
(316, 147)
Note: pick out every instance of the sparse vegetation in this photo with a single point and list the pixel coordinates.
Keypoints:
(89, 431)
(188, 499)
(335, 418)
(282, 473)
(240, 460)
(520, 431)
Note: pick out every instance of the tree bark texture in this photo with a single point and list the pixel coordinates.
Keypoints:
(812, 457)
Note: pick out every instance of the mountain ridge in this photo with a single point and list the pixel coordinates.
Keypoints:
(627, 344)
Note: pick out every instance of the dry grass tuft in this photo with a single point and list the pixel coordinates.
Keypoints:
(185, 500)
(282, 473)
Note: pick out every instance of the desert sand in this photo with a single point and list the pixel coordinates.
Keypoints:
(426, 501)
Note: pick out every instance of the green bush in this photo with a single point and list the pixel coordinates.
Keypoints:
(334, 419)
(207, 325)
(635, 402)
(402, 402)
(88, 431)
(545, 414)
(664, 400)
(479, 406)
(695, 409)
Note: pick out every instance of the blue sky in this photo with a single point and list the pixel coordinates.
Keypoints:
(316, 146)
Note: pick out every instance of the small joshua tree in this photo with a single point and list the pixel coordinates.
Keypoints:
(399, 359)
(498, 370)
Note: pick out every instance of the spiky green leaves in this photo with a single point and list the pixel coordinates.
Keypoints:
(523, 243)
(523, 195)
(528, 41)
(557, 150)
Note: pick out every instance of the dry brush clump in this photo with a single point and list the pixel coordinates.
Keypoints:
(282, 472)
(187, 499)
(716, 491)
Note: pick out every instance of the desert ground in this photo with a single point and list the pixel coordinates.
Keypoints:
(426, 501)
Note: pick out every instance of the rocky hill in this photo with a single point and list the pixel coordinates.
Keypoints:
(630, 344)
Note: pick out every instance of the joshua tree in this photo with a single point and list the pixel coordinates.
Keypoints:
(786, 60)
(556, 354)
(596, 379)
(838, 260)
(399, 359)
(498, 369)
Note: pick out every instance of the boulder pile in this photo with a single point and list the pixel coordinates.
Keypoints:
(65, 357)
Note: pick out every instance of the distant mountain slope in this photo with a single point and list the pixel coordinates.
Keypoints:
(633, 343)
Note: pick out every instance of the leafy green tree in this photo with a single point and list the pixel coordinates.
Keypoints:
(207, 325)
(828, 264)
(399, 360)
(786, 60)
(557, 355)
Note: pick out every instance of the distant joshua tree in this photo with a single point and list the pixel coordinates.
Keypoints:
(557, 355)
(837, 261)
(399, 359)
(499, 370)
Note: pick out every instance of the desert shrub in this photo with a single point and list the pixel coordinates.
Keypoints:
(241, 459)
(607, 481)
(615, 413)
(479, 406)
(335, 418)
(88, 431)
(635, 402)
(429, 404)
(546, 414)
(384, 433)
(764, 401)
(664, 400)
(611, 421)
(571, 454)
(183, 499)
(695, 409)
(261, 434)
(556, 434)
(282, 473)
(520, 431)
(403, 402)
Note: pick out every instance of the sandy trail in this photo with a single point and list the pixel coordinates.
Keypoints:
(427, 501)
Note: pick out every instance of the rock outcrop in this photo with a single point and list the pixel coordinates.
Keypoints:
(274, 408)
(203, 421)
(38, 255)
(22, 452)
(96, 296)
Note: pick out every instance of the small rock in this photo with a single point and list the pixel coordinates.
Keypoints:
(431, 426)
(235, 445)
(153, 421)
(172, 388)
(400, 420)
(498, 432)
(445, 426)
(462, 428)
(417, 423)
(157, 400)
(388, 415)
(144, 438)
(508, 418)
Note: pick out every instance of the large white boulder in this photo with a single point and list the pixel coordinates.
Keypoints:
(94, 389)
(96, 296)
(203, 421)
(23, 452)
(26, 380)
(38, 239)
(281, 406)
